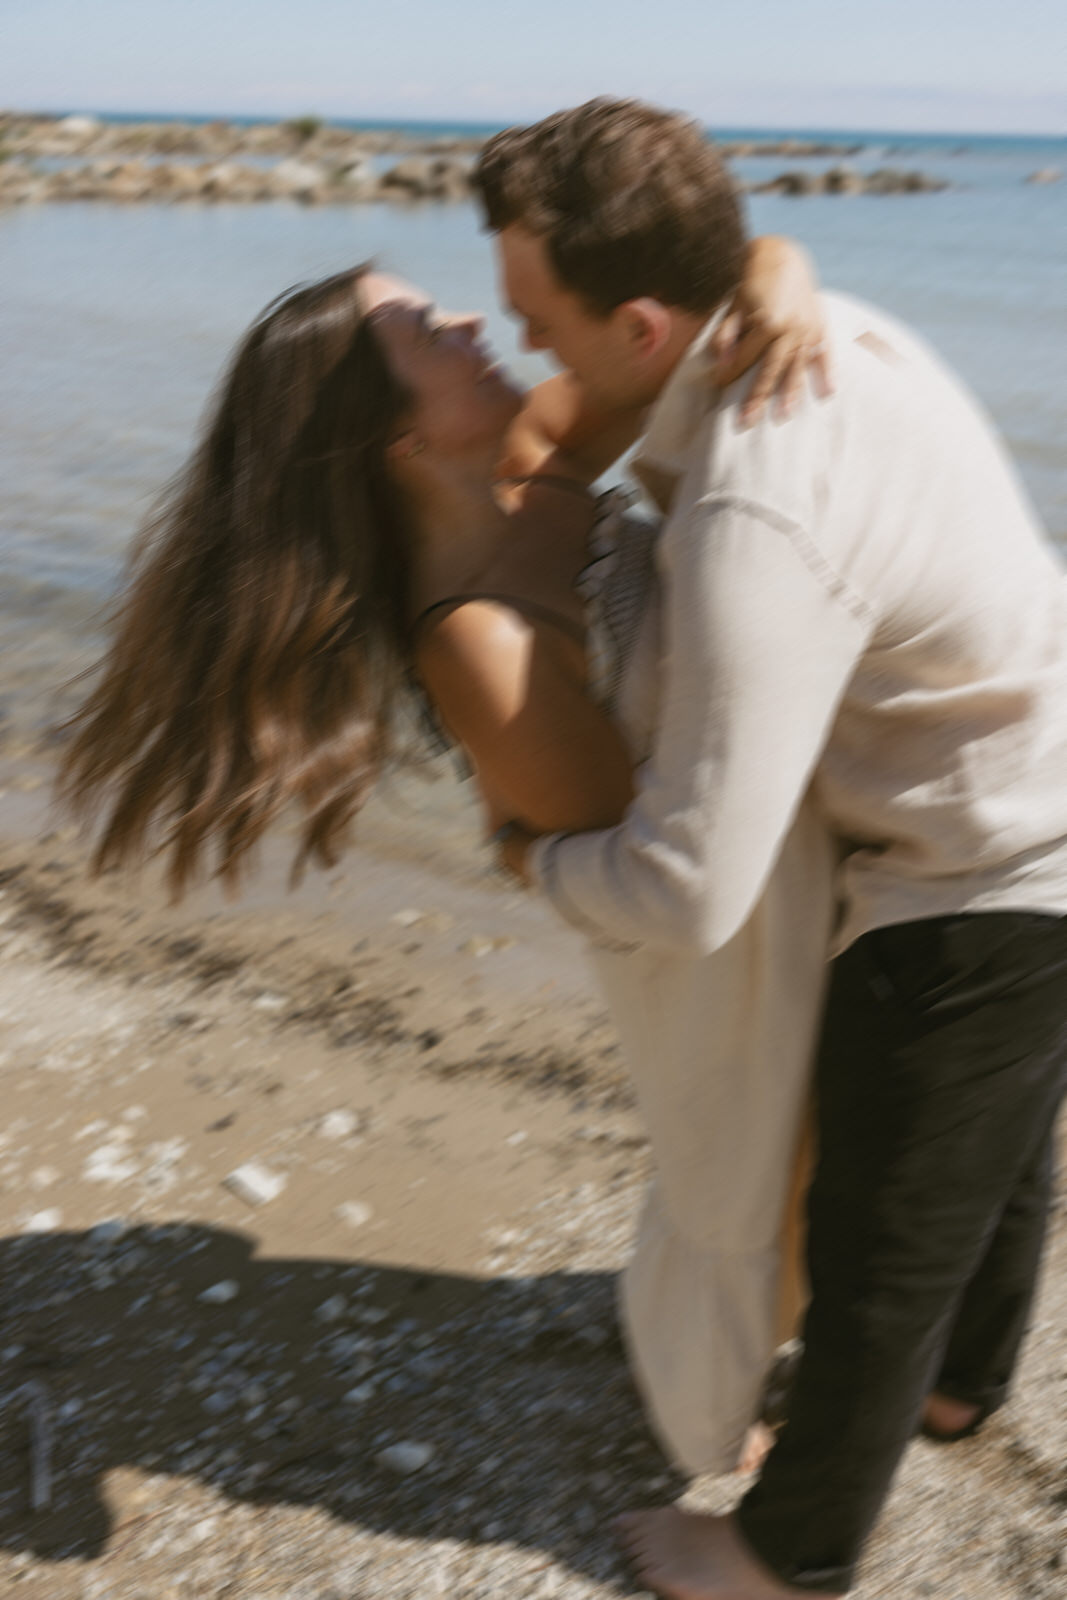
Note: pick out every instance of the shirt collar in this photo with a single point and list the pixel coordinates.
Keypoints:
(675, 418)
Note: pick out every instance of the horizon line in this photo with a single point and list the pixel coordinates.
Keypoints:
(400, 121)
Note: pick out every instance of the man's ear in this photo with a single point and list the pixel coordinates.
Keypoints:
(648, 326)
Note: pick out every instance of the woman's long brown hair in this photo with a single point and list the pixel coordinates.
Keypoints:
(259, 650)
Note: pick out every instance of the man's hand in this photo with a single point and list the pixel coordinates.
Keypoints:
(775, 320)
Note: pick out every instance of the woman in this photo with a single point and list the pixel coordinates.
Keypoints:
(372, 503)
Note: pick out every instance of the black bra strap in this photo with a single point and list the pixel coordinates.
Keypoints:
(554, 481)
(524, 607)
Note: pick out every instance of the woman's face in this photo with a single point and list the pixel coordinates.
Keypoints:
(461, 396)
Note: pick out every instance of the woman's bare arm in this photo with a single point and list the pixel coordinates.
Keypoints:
(510, 692)
(563, 431)
(774, 321)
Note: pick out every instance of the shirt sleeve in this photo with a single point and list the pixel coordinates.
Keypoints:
(761, 637)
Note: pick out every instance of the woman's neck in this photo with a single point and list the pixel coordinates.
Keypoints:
(459, 529)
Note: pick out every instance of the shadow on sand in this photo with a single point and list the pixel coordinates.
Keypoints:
(519, 1386)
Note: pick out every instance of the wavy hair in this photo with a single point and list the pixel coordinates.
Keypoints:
(259, 652)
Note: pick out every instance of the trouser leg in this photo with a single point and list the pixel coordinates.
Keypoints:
(940, 1067)
(983, 1345)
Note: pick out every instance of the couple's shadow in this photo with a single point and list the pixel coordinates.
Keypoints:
(292, 1390)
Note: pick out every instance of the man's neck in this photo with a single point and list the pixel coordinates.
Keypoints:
(687, 328)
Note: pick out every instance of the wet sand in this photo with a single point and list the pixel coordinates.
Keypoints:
(415, 1053)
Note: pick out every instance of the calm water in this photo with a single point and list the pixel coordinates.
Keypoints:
(114, 323)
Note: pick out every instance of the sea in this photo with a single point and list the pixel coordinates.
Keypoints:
(116, 321)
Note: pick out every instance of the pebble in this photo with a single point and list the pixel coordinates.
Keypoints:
(105, 1233)
(406, 1457)
(270, 1002)
(355, 1212)
(44, 1221)
(220, 1294)
(44, 1177)
(339, 1124)
(520, 1136)
(360, 1394)
(109, 1163)
(407, 918)
(254, 1183)
(372, 1315)
(332, 1310)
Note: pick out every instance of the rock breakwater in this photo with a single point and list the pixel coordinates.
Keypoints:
(312, 163)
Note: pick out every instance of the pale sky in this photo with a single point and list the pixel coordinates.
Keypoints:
(948, 65)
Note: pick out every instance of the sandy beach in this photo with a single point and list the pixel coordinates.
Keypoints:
(384, 1362)
(206, 1381)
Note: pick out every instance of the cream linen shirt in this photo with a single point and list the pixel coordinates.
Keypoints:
(858, 600)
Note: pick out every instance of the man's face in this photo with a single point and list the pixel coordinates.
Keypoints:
(598, 349)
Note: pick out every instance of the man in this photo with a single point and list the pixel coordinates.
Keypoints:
(857, 603)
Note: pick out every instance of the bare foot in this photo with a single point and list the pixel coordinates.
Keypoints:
(757, 1447)
(946, 1417)
(686, 1556)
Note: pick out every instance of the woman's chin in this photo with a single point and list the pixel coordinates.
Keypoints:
(500, 381)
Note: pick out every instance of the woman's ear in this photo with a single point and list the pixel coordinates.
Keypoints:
(404, 446)
(648, 326)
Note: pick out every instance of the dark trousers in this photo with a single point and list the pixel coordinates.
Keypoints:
(940, 1068)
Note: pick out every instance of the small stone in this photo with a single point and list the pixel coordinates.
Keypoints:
(332, 1310)
(44, 1177)
(215, 1404)
(270, 1002)
(339, 1125)
(406, 1457)
(356, 1213)
(105, 1233)
(408, 918)
(254, 1184)
(476, 947)
(360, 1394)
(372, 1315)
(520, 1136)
(221, 1294)
(110, 1163)
(44, 1221)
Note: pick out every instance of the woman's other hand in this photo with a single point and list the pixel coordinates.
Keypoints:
(775, 320)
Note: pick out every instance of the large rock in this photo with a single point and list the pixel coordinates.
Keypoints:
(19, 184)
(891, 180)
(77, 128)
(843, 180)
(300, 180)
(131, 180)
(230, 182)
(409, 179)
(416, 178)
(357, 180)
(792, 183)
